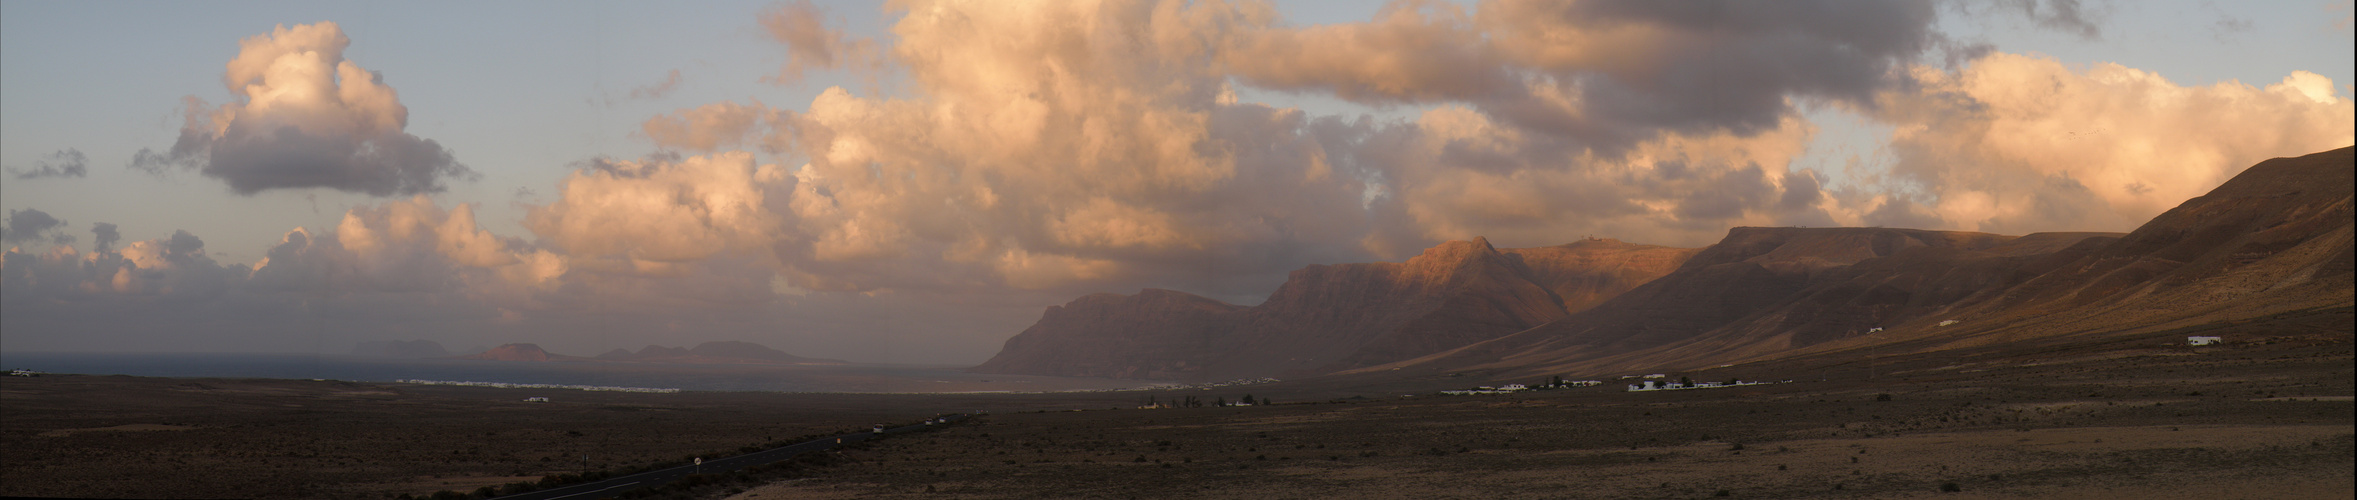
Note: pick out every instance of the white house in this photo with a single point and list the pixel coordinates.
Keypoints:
(2202, 341)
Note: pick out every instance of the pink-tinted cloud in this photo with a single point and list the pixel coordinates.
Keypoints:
(301, 116)
(811, 45)
(2019, 143)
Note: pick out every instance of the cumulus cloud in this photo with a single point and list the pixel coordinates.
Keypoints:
(301, 116)
(68, 162)
(107, 236)
(1056, 147)
(2020, 143)
(175, 266)
(1100, 143)
(811, 45)
(35, 226)
(1601, 75)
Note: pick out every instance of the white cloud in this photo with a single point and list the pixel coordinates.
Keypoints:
(302, 116)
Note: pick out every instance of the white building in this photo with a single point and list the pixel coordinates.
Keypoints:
(2202, 341)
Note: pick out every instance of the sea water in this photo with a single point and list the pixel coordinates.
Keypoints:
(864, 378)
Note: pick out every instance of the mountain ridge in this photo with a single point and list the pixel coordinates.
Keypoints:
(2275, 238)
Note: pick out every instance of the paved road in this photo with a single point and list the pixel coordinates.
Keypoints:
(615, 486)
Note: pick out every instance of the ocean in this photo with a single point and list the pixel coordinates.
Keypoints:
(858, 378)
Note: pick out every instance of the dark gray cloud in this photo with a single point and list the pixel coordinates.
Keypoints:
(106, 237)
(68, 162)
(1604, 75)
(1731, 65)
(254, 157)
(2066, 16)
(35, 226)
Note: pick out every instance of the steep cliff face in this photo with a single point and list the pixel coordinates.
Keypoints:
(1326, 318)
(1333, 317)
(2275, 239)
(2277, 232)
(1156, 334)
(1588, 272)
(1752, 269)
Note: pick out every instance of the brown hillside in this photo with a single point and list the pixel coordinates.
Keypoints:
(1331, 317)
(1755, 270)
(2274, 240)
(1156, 334)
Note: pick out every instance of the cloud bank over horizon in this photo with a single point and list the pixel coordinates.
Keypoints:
(1050, 149)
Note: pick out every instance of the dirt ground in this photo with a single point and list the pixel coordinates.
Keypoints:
(2268, 417)
(2262, 419)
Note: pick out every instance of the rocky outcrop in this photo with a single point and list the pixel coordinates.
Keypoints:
(1332, 317)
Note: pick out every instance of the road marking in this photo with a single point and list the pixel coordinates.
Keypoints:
(595, 491)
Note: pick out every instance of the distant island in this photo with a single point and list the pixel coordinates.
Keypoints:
(727, 352)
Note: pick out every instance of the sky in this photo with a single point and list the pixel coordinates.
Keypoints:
(914, 182)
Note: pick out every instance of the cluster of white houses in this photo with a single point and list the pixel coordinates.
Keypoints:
(508, 385)
(1664, 385)
(1648, 382)
(1556, 383)
(1661, 382)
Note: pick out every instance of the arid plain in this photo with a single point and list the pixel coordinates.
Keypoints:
(2268, 414)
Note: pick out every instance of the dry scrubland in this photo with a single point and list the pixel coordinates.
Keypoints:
(120, 436)
(2269, 416)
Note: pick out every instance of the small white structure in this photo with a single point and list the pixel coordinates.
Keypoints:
(1948, 322)
(536, 399)
(2202, 341)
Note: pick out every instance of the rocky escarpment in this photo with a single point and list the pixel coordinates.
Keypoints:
(1156, 334)
(1332, 317)
(2276, 239)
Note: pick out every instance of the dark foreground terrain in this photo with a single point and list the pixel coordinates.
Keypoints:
(2268, 415)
